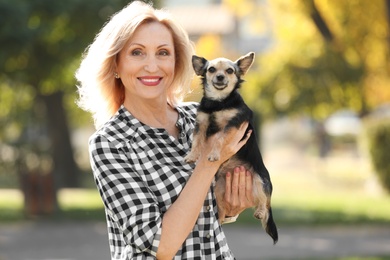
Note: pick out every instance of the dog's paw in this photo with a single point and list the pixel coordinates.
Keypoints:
(260, 213)
(213, 157)
(190, 158)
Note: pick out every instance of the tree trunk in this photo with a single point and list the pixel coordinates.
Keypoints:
(388, 15)
(388, 27)
(66, 172)
(40, 196)
(319, 21)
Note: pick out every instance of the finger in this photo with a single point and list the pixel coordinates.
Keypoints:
(241, 130)
(236, 136)
(235, 181)
(249, 187)
(228, 187)
(242, 186)
(242, 142)
(244, 125)
(235, 184)
(248, 134)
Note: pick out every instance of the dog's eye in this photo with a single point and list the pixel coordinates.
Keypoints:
(230, 71)
(211, 69)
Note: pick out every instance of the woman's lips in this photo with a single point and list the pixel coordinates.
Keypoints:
(150, 81)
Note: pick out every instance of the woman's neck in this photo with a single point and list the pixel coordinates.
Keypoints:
(156, 113)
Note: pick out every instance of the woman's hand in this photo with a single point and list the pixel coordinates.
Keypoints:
(238, 191)
(223, 145)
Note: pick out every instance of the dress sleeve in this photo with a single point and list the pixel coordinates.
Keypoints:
(127, 199)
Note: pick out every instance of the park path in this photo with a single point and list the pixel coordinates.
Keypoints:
(88, 241)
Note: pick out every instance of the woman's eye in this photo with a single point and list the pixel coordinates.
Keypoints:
(136, 53)
(163, 53)
(230, 71)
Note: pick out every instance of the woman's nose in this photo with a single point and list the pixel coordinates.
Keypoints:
(151, 64)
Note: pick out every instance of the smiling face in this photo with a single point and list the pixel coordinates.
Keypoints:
(146, 64)
(221, 76)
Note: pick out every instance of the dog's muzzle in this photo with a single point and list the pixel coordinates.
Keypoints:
(219, 82)
(219, 85)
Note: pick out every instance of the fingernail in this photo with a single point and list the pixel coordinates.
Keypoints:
(236, 170)
(228, 174)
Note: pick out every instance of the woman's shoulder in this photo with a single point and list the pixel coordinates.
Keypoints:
(116, 129)
(189, 107)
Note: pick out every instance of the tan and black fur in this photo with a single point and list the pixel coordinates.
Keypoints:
(221, 109)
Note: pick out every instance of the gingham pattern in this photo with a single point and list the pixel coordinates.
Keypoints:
(139, 172)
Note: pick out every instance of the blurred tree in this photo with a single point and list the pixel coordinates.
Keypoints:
(327, 55)
(388, 26)
(42, 43)
(379, 142)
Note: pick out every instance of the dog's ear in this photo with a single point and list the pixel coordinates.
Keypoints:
(245, 62)
(199, 64)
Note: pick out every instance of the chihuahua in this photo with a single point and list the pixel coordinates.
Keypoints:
(221, 109)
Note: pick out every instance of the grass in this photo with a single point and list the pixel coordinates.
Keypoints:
(330, 210)
(75, 204)
(340, 190)
(81, 204)
(11, 204)
(310, 206)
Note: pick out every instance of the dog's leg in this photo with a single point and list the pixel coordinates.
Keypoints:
(261, 211)
(219, 195)
(215, 153)
(199, 137)
(195, 150)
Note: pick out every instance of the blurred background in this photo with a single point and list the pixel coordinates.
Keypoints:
(319, 87)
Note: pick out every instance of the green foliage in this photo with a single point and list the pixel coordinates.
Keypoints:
(44, 41)
(43, 38)
(379, 141)
(318, 68)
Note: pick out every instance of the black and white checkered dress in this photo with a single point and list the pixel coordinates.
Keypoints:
(140, 171)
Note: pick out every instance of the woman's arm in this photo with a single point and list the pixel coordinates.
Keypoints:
(180, 218)
(131, 206)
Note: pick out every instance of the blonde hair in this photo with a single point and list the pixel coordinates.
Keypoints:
(99, 91)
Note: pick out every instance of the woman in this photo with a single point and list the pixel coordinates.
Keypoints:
(132, 79)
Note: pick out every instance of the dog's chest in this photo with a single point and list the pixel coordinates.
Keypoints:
(218, 118)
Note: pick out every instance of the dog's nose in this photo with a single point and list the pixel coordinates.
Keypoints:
(220, 77)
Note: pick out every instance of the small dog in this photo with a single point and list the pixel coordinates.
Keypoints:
(221, 109)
